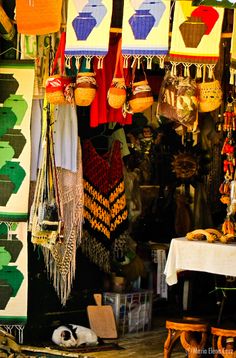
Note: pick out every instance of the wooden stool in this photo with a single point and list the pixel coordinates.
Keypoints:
(188, 331)
(223, 342)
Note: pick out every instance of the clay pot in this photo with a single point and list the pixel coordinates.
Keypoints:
(192, 31)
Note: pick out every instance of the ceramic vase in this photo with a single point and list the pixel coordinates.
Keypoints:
(97, 9)
(141, 23)
(83, 25)
(5, 256)
(14, 247)
(15, 173)
(6, 152)
(8, 85)
(13, 277)
(16, 140)
(5, 294)
(18, 105)
(8, 119)
(155, 7)
(6, 189)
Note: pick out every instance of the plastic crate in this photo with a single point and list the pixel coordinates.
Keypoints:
(133, 311)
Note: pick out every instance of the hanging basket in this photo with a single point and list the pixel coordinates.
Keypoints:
(85, 88)
(117, 93)
(55, 89)
(210, 95)
(58, 86)
(141, 97)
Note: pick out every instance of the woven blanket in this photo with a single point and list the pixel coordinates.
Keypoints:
(88, 28)
(196, 33)
(233, 53)
(13, 276)
(145, 30)
(16, 90)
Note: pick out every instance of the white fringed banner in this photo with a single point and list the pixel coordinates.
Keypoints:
(196, 34)
(145, 30)
(88, 29)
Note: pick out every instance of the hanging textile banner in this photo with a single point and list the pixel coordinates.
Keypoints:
(88, 28)
(16, 91)
(145, 30)
(13, 276)
(233, 53)
(196, 33)
(230, 4)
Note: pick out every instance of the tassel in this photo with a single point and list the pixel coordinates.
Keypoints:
(210, 70)
(126, 61)
(149, 62)
(100, 62)
(88, 61)
(161, 61)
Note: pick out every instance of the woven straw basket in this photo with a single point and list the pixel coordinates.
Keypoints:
(210, 95)
(85, 89)
(117, 93)
(140, 100)
(55, 86)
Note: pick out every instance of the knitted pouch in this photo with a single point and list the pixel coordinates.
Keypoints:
(141, 96)
(210, 94)
(85, 88)
(59, 88)
(116, 95)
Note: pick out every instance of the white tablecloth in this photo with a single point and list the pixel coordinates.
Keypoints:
(202, 256)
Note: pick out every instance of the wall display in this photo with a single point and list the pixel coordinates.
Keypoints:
(196, 33)
(146, 29)
(13, 276)
(88, 28)
(16, 83)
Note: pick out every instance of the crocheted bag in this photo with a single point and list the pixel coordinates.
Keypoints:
(85, 88)
(116, 95)
(210, 94)
(141, 96)
(58, 87)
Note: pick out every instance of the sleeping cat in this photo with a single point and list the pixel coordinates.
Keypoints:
(72, 335)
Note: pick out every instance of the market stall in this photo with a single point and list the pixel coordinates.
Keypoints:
(117, 134)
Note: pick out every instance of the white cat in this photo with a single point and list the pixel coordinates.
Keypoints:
(72, 335)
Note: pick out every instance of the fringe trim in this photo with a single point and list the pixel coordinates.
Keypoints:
(13, 329)
(96, 252)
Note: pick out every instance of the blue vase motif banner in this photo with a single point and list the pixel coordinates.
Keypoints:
(88, 28)
(145, 30)
(16, 88)
(13, 277)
